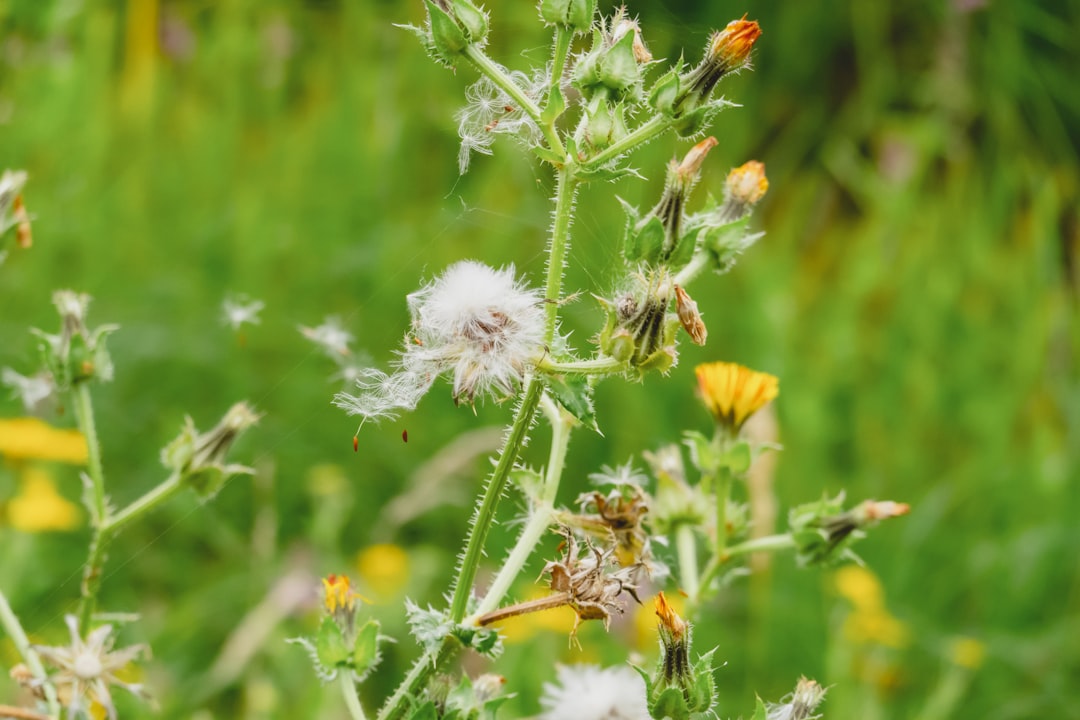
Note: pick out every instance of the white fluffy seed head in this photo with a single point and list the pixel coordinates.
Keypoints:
(476, 322)
(587, 692)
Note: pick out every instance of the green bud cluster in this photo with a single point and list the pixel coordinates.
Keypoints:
(452, 26)
(76, 354)
(639, 330)
(200, 458)
(575, 15)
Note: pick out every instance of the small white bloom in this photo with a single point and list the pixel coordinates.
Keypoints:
(330, 336)
(86, 668)
(34, 390)
(478, 323)
(625, 474)
(239, 309)
(800, 704)
(588, 692)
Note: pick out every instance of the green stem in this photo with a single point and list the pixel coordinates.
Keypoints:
(538, 522)
(565, 191)
(348, 691)
(769, 543)
(599, 366)
(10, 622)
(695, 267)
(91, 580)
(105, 532)
(723, 489)
(686, 546)
(485, 513)
(656, 125)
(84, 417)
(425, 665)
(494, 72)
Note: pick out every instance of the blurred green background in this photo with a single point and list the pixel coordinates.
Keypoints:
(916, 293)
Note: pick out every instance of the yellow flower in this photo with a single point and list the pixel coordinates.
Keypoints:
(732, 45)
(747, 183)
(39, 507)
(733, 393)
(384, 568)
(31, 439)
(869, 621)
(860, 587)
(966, 652)
(339, 593)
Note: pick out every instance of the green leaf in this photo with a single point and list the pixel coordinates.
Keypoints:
(330, 644)
(575, 394)
(549, 156)
(760, 712)
(704, 454)
(670, 704)
(645, 241)
(425, 712)
(366, 647)
(738, 457)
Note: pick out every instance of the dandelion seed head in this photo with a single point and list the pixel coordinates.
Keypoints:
(588, 692)
(330, 336)
(475, 322)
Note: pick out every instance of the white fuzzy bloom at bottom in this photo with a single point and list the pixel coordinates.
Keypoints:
(477, 323)
(588, 692)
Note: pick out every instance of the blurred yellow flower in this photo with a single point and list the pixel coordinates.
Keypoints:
(339, 593)
(966, 652)
(39, 507)
(31, 439)
(869, 621)
(860, 587)
(733, 393)
(384, 568)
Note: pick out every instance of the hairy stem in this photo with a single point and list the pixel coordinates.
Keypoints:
(695, 267)
(143, 505)
(770, 543)
(10, 622)
(425, 665)
(485, 512)
(494, 72)
(352, 700)
(541, 516)
(565, 190)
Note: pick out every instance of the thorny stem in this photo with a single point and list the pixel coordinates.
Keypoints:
(688, 566)
(421, 670)
(485, 513)
(541, 516)
(488, 67)
(565, 190)
(523, 608)
(656, 125)
(352, 700)
(10, 622)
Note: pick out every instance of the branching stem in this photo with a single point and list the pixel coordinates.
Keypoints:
(10, 622)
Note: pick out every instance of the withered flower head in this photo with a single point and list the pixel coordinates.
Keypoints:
(591, 590)
(690, 316)
(800, 704)
(618, 516)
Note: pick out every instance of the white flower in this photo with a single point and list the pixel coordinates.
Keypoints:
(478, 323)
(330, 336)
(87, 668)
(34, 390)
(239, 309)
(587, 692)
(800, 704)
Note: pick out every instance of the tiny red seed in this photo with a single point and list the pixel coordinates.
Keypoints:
(356, 443)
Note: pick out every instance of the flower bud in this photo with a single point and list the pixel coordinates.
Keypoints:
(12, 209)
(76, 354)
(728, 50)
(199, 458)
(639, 317)
(575, 15)
(689, 317)
(679, 689)
(612, 66)
(823, 531)
(453, 25)
(603, 124)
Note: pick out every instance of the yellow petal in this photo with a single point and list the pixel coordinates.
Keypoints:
(31, 439)
(39, 507)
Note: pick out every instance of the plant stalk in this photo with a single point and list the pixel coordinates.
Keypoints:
(352, 700)
(422, 669)
(686, 546)
(640, 135)
(10, 622)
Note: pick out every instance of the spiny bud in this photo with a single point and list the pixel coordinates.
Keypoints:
(611, 68)
(727, 51)
(76, 354)
(575, 15)
(200, 458)
(453, 25)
